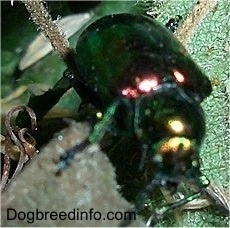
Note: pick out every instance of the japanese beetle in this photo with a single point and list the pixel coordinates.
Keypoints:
(146, 87)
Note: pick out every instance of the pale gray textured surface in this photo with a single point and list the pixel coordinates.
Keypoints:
(89, 182)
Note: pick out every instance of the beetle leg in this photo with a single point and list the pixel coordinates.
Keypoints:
(102, 126)
(82, 89)
(67, 157)
(159, 213)
(141, 198)
(98, 132)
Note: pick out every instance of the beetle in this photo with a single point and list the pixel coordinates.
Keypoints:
(144, 85)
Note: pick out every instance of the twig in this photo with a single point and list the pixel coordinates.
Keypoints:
(49, 28)
(6, 168)
(16, 136)
(189, 26)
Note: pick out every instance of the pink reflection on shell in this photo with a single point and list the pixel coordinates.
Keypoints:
(129, 92)
(179, 76)
(147, 84)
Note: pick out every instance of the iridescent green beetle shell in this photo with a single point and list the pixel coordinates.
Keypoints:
(115, 51)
